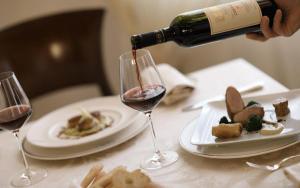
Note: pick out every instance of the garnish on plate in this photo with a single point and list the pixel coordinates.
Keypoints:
(85, 124)
(254, 123)
(271, 129)
(251, 103)
(224, 120)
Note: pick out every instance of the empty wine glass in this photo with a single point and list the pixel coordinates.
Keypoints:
(142, 89)
(15, 110)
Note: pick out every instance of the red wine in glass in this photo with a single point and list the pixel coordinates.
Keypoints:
(144, 100)
(13, 117)
(142, 88)
(15, 110)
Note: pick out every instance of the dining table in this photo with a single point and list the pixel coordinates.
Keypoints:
(190, 170)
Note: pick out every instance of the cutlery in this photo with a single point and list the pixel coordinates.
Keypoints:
(243, 90)
(273, 167)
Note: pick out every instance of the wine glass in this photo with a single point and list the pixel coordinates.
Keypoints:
(15, 110)
(142, 89)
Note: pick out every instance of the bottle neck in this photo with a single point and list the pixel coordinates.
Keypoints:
(152, 38)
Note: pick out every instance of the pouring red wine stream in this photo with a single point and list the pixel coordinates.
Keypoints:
(137, 70)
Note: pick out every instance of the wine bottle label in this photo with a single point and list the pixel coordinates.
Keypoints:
(232, 16)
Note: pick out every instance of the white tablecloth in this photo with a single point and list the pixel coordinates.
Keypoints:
(190, 171)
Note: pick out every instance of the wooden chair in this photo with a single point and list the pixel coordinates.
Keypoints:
(55, 52)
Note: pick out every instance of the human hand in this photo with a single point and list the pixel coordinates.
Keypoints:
(285, 23)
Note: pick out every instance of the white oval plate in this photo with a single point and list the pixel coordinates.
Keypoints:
(232, 151)
(43, 132)
(41, 153)
(212, 113)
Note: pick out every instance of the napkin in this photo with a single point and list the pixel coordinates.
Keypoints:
(178, 86)
(293, 173)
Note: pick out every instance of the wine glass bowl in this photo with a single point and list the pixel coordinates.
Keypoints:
(15, 110)
(142, 89)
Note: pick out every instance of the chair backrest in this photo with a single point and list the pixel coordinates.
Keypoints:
(55, 52)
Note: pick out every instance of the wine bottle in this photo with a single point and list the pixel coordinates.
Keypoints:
(210, 24)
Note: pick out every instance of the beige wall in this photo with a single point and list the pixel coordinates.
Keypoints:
(13, 11)
(279, 58)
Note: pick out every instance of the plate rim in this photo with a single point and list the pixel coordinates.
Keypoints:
(251, 140)
(111, 99)
(230, 156)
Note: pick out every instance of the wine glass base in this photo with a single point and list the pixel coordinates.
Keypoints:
(159, 160)
(28, 177)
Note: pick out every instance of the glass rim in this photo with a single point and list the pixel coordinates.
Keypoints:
(6, 75)
(128, 55)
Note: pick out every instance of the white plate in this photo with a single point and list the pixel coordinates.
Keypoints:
(43, 132)
(78, 151)
(212, 113)
(242, 150)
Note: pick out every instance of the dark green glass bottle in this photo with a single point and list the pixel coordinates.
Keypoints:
(211, 24)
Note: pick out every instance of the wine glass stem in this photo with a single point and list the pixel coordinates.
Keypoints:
(156, 149)
(16, 134)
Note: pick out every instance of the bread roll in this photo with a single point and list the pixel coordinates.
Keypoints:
(94, 171)
(227, 130)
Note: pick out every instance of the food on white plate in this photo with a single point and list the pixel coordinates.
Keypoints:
(230, 130)
(119, 177)
(244, 116)
(85, 124)
(271, 129)
(281, 106)
(249, 117)
(234, 101)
